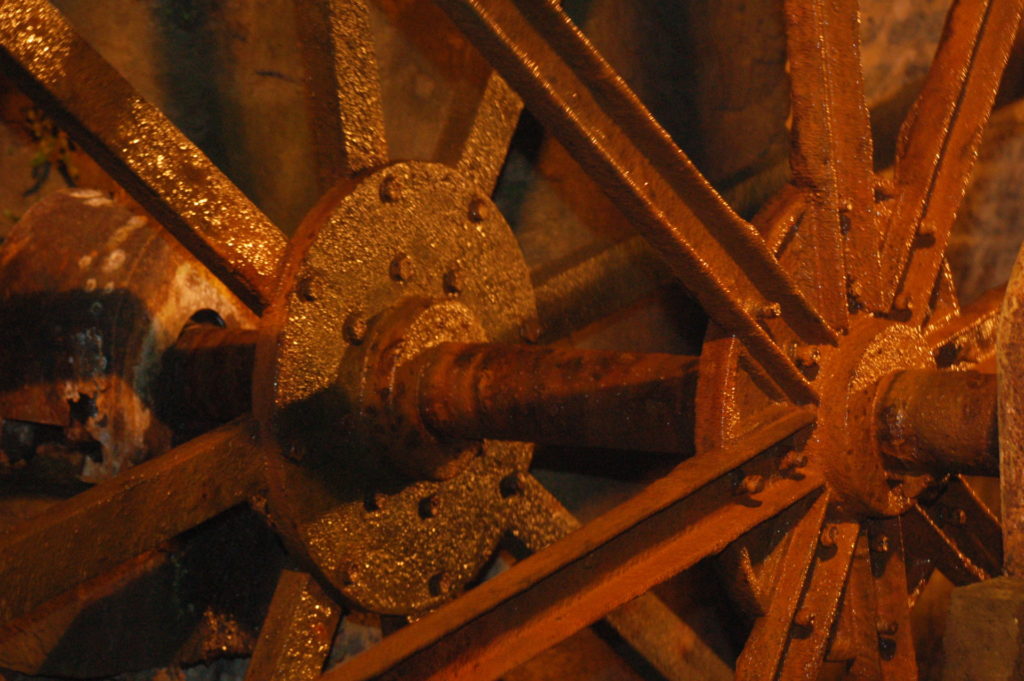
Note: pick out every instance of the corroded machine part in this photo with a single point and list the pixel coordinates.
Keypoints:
(940, 421)
(554, 395)
(91, 296)
(409, 257)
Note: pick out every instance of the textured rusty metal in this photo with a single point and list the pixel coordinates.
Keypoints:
(208, 370)
(831, 156)
(659, 500)
(139, 147)
(107, 524)
(92, 296)
(370, 252)
(343, 85)
(939, 143)
(552, 395)
(643, 171)
(1009, 355)
(940, 421)
(296, 636)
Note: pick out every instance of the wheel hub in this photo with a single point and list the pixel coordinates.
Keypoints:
(844, 439)
(409, 257)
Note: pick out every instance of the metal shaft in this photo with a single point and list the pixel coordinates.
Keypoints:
(942, 421)
(554, 395)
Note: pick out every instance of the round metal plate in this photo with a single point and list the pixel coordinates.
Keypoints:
(410, 231)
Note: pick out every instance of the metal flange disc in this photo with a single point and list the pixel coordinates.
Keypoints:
(408, 236)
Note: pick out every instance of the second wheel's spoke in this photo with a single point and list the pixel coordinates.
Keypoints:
(763, 652)
(831, 153)
(817, 611)
(895, 640)
(717, 255)
(939, 143)
(136, 511)
(141, 148)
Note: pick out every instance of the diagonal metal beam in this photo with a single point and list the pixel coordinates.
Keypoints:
(98, 529)
(140, 148)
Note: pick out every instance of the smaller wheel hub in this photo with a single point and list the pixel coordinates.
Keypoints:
(844, 440)
(389, 420)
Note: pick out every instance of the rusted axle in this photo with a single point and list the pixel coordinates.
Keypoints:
(554, 395)
(939, 421)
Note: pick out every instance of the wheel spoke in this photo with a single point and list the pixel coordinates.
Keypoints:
(932, 170)
(646, 624)
(717, 255)
(831, 153)
(136, 511)
(296, 635)
(894, 637)
(943, 552)
(140, 148)
(763, 651)
(481, 154)
(543, 599)
(343, 83)
(969, 522)
(601, 285)
(969, 337)
(817, 611)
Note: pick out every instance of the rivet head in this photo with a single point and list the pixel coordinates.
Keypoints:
(401, 268)
(530, 330)
(792, 461)
(355, 327)
(389, 189)
(902, 303)
(829, 536)
(439, 584)
(512, 484)
(429, 506)
(750, 484)
(453, 280)
(880, 543)
(478, 210)
(804, 619)
(374, 501)
(886, 627)
(805, 356)
(769, 311)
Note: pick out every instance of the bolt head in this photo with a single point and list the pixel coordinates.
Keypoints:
(512, 484)
(750, 484)
(770, 311)
(530, 330)
(829, 535)
(429, 506)
(880, 543)
(792, 461)
(478, 210)
(308, 289)
(453, 280)
(401, 268)
(355, 327)
(439, 584)
(804, 619)
(389, 190)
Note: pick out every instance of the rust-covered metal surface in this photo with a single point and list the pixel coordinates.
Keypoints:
(814, 452)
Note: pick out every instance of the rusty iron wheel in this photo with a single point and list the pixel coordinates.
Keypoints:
(831, 458)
